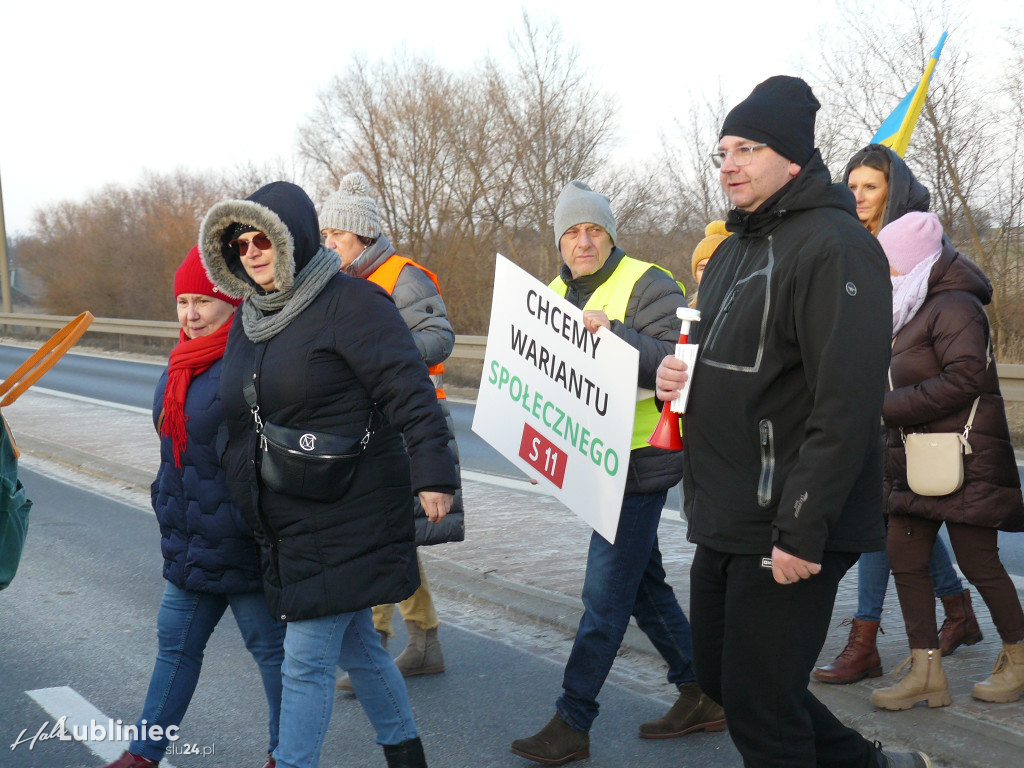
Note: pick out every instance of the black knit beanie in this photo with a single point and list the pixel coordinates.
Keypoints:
(780, 113)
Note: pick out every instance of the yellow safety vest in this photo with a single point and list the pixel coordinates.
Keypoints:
(612, 297)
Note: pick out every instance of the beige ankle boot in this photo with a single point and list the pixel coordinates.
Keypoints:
(1006, 683)
(422, 655)
(924, 682)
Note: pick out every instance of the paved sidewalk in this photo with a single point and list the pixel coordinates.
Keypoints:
(525, 555)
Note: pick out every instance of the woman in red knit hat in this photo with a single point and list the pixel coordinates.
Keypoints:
(210, 557)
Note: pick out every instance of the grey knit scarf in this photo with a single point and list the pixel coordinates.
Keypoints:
(266, 315)
(366, 262)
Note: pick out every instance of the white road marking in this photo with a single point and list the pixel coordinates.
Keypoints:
(93, 401)
(66, 702)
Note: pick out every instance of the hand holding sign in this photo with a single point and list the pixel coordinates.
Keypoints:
(594, 319)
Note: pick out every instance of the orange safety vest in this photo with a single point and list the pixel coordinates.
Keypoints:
(386, 276)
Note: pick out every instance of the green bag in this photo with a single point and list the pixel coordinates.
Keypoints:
(14, 508)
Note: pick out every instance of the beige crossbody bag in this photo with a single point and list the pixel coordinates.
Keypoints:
(935, 460)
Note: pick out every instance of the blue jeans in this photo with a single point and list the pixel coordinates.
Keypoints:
(184, 625)
(873, 580)
(625, 578)
(312, 648)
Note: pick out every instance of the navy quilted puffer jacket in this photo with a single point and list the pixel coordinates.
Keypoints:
(206, 543)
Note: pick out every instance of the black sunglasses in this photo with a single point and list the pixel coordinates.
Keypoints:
(241, 247)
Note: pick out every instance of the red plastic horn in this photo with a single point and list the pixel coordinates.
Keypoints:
(668, 434)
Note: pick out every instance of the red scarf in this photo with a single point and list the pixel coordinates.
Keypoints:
(190, 358)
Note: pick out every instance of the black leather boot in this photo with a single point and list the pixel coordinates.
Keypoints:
(408, 754)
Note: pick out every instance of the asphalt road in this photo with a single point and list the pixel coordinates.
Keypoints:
(78, 624)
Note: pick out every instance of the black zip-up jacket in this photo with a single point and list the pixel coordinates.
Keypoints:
(782, 429)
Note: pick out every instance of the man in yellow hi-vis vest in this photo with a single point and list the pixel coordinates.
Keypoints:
(637, 301)
(350, 223)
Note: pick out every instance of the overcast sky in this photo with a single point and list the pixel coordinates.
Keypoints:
(96, 92)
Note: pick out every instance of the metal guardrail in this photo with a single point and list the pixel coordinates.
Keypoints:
(153, 328)
(1011, 376)
(466, 347)
(1011, 382)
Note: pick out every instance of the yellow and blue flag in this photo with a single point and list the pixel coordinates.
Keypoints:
(897, 128)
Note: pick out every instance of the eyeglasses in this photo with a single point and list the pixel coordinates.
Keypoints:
(260, 240)
(740, 155)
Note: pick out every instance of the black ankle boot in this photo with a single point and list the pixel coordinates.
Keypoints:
(408, 754)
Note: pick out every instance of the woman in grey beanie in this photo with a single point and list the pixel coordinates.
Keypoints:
(350, 223)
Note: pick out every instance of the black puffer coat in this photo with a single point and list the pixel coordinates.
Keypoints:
(324, 558)
(942, 361)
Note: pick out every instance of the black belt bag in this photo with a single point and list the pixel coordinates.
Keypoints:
(303, 463)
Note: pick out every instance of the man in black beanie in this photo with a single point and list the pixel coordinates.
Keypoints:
(783, 470)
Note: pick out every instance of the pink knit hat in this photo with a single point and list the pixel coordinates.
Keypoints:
(914, 237)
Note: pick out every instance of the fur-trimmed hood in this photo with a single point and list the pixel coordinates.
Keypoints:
(284, 213)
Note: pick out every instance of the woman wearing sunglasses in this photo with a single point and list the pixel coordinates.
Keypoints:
(334, 543)
(351, 225)
(210, 557)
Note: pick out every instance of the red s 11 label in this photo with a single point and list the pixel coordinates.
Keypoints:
(541, 454)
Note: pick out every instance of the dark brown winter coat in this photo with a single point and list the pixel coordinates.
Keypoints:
(941, 361)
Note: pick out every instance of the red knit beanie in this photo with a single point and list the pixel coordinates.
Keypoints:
(191, 277)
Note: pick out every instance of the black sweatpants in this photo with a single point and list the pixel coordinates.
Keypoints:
(754, 645)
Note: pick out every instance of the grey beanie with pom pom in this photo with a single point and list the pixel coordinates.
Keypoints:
(351, 209)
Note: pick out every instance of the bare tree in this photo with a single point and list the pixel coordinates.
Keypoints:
(243, 179)
(688, 191)
(560, 124)
(467, 164)
(117, 250)
(959, 148)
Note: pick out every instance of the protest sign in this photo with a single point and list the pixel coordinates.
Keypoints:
(556, 400)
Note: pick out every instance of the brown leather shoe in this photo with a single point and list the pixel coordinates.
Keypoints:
(692, 712)
(859, 659)
(556, 743)
(960, 626)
